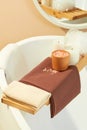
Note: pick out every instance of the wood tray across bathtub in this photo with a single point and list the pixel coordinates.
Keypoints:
(71, 14)
(28, 108)
(20, 105)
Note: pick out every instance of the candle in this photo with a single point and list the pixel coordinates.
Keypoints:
(60, 60)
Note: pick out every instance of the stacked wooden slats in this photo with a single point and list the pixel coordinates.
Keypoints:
(70, 14)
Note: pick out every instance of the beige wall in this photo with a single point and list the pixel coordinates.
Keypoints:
(19, 19)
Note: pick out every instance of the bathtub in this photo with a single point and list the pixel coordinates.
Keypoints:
(18, 59)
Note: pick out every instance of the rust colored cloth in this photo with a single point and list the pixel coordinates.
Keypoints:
(64, 86)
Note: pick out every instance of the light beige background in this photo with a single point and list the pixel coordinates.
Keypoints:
(19, 19)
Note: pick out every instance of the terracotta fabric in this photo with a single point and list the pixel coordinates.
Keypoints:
(64, 86)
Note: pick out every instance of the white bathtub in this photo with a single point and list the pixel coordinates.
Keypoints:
(18, 59)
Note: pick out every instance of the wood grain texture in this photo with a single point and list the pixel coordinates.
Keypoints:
(20, 105)
(71, 14)
(30, 109)
(82, 63)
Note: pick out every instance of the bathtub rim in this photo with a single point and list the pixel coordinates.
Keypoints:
(3, 83)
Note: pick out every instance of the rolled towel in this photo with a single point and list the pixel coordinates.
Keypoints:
(78, 47)
(80, 42)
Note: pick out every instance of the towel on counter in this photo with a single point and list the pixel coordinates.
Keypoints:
(64, 86)
(27, 94)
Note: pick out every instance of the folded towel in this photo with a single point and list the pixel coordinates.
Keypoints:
(28, 94)
(63, 86)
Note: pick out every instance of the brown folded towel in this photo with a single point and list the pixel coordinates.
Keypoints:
(64, 86)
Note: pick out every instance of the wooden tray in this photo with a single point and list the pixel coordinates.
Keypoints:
(28, 108)
(82, 63)
(20, 105)
(71, 14)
